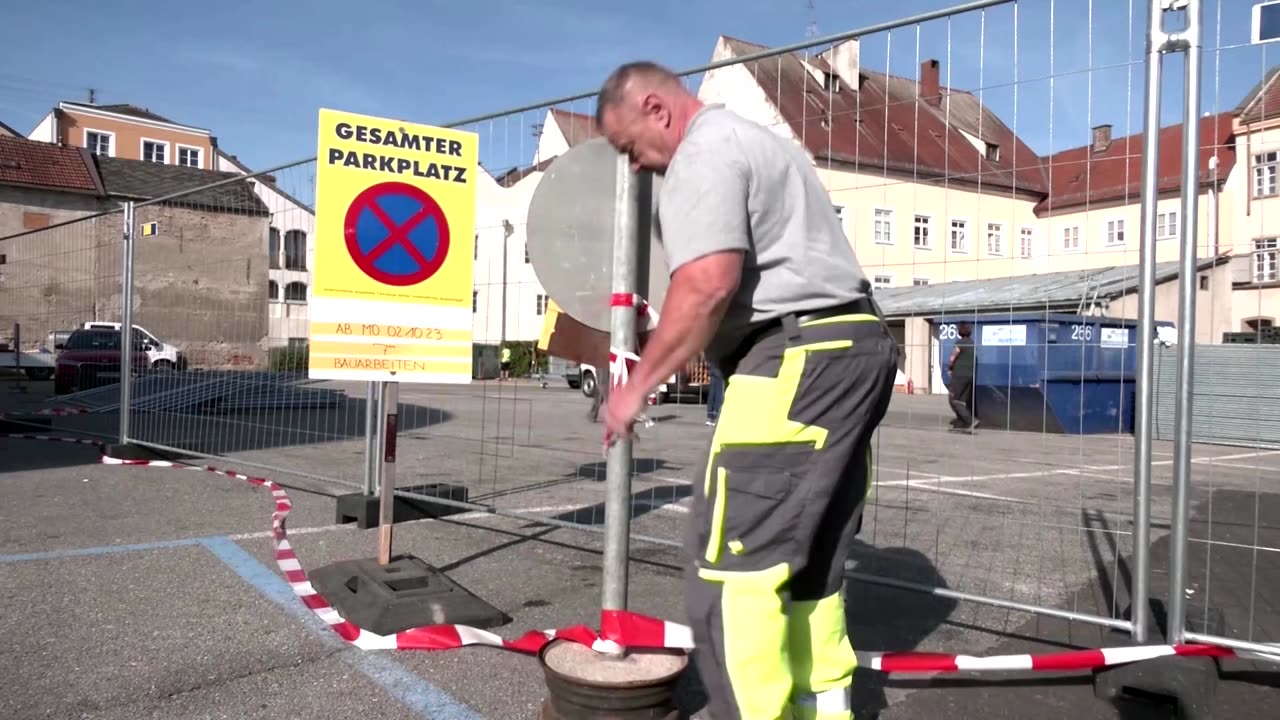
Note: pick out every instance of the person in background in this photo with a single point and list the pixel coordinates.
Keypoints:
(715, 394)
(506, 363)
(961, 365)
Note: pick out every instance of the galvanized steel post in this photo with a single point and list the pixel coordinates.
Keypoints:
(1141, 591)
(622, 339)
(126, 323)
(1189, 41)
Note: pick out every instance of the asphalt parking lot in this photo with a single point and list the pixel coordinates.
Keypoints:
(143, 592)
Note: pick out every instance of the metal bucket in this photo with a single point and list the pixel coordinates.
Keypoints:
(575, 698)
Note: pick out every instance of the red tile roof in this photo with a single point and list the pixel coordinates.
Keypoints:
(576, 127)
(1081, 176)
(885, 123)
(1263, 101)
(43, 165)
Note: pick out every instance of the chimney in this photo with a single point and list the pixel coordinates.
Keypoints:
(1101, 138)
(843, 59)
(930, 90)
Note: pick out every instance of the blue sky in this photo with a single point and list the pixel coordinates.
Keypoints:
(256, 73)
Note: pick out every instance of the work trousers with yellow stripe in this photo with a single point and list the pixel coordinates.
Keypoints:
(775, 514)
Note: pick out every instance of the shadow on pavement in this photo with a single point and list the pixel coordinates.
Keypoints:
(222, 433)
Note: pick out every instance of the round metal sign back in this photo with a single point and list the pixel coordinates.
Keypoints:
(569, 233)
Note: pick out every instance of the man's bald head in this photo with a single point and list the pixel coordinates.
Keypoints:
(643, 109)
(633, 78)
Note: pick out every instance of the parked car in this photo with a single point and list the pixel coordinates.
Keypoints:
(91, 358)
(160, 354)
(693, 378)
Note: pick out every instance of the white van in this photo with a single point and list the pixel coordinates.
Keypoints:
(160, 354)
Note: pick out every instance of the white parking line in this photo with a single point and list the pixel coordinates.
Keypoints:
(1081, 470)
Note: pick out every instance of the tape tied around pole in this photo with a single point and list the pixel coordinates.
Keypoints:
(621, 629)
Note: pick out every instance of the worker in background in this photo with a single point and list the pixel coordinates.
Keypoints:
(962, 365)
(505, 363)
(715, 392)
(764, 280)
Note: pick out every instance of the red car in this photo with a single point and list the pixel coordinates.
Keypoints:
(91, 358)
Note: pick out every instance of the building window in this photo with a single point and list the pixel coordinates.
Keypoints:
(919, 282)
(993, 152)
(1115, 232)
(1258, 323)
(98, 142)
(882, 281)
(189, 156)
(1167, 225)
(273, 291)
(1026, 242)
(1266, 260)
(1264, 173)
(882, 226)
(298, 344)
(1071, 239)
(295, 292)
(1204, 282)
(959, 235)
(526, 253)
(995, 239)
(295, 250)
(475, 301)
(273, 248)
(920, 233)
(542, 304)
(155, 151)
(475, 249)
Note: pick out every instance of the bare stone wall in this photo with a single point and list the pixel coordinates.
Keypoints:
(200, 283)
(57, 277)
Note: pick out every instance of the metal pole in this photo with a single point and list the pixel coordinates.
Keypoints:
(507, 232)
(1141, 592)
(622, 338)
(1187, 290)
(126, 323)
(372, 427)
(387, 469)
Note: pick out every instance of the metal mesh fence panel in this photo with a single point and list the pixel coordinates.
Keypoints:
(1233, 551)
(53, 279)
(220, 285)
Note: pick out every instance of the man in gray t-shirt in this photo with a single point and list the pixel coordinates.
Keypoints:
(765, 282)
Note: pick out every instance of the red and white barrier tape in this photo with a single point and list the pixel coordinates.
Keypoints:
(622, 629)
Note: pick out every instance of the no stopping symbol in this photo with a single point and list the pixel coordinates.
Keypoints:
(396, 233)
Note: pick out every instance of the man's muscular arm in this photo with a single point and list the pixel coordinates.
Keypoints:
(697, 298)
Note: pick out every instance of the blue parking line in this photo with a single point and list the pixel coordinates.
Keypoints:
(420, 696)
(99, 550)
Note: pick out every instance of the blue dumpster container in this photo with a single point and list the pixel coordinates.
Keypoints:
(1056, 373)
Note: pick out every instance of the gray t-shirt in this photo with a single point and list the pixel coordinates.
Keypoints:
(736, 185)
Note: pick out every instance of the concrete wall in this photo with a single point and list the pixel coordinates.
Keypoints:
(1214, 298)
(201, 284)
(57, 277)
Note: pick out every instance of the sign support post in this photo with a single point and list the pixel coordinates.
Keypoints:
(623, 342)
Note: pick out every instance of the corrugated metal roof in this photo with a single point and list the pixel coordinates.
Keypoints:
(1046, 292)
